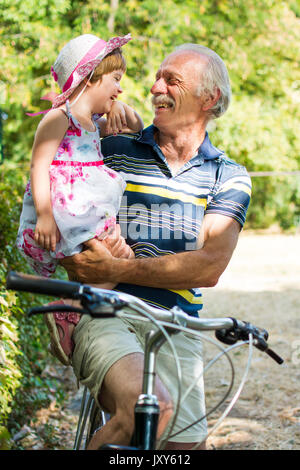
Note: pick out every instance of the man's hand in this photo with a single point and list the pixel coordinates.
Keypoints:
(117, 245)
(91, 266)
(94, 265)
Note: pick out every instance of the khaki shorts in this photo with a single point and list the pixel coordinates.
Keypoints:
(99, 343)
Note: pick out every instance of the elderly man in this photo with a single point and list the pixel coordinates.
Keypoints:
(182, 212)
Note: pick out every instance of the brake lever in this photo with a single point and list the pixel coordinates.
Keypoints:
(53, 308)
(102, 305)
(259, 340)
(242, 333)
(98, 306)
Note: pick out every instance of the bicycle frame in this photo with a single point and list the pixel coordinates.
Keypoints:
(102, 303)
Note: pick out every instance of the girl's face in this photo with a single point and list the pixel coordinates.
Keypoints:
(106, 91)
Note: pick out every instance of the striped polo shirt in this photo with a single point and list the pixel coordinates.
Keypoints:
(162, 212)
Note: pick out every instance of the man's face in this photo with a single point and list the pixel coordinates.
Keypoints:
(174, 92)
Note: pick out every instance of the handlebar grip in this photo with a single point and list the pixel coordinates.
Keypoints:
(39, 285)
(274, 356)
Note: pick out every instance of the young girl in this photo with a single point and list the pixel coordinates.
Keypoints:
(72, 196)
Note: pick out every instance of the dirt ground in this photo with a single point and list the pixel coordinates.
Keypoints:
(260, 285)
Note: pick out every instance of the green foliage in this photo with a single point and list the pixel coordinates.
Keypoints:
(259, 42)
(10, 374)
(271, 144)
(23, 340)
(5, 439)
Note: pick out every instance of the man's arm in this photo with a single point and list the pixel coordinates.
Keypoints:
(199, 268)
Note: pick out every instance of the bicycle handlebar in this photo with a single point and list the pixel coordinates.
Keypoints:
(40, 285)
(98, 300)
(101, 303)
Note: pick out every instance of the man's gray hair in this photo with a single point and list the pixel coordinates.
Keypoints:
(215, 76)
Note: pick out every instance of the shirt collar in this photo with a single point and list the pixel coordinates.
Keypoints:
(206, 151)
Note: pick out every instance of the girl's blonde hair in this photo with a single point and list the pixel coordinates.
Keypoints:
(113, 61)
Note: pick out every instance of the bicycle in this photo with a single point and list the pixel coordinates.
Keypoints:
(103, 303)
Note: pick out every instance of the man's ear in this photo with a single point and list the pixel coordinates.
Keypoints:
(210, 100)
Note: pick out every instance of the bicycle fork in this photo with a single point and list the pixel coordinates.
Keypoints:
(147, 408)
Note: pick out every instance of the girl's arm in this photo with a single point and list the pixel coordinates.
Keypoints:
(121, 118)
(49, 135)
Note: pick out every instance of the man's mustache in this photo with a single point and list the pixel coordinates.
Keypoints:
(158, 100)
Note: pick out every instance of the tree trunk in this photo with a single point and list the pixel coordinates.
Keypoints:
(111, 20)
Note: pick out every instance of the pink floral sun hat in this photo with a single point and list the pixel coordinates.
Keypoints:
(78, 58)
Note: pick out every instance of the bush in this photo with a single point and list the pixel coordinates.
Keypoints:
(23, 340)
(10, 374)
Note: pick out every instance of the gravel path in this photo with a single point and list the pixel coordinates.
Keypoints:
(262, 285)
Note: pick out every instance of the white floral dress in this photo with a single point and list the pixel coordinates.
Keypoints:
(86, 197)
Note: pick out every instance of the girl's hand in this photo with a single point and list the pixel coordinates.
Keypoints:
(121, 118)
(117, 245)
(46, 232)
(116, 118)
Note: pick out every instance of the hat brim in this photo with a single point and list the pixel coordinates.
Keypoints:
(85, 69)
